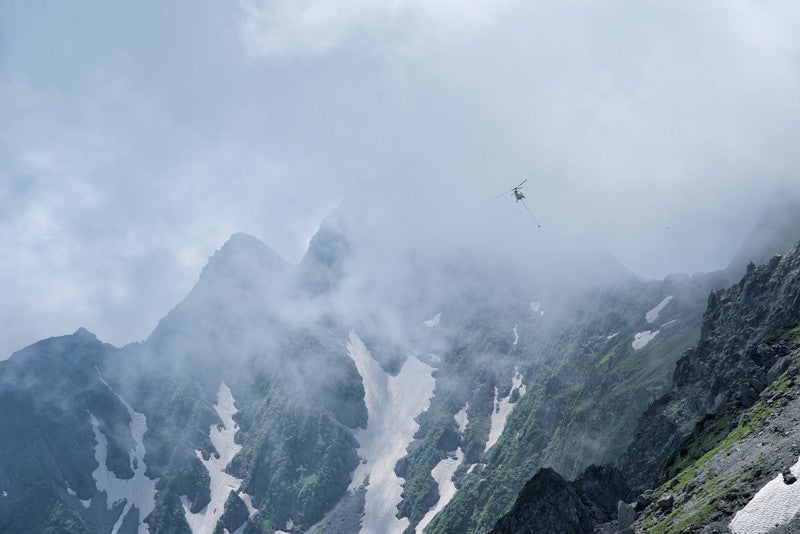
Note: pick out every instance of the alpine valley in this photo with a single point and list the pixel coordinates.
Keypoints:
(456, 395)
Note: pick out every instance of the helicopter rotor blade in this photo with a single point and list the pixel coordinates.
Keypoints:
(520, 184)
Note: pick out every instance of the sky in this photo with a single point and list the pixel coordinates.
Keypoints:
(136, 137)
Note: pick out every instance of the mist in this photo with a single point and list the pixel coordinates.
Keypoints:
(137, 139)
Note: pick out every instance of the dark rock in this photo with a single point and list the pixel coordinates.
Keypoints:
(626, 515)
(715, 528)
(666, 503)
(778, 369)
(548, 503)
(235, 512)
(644, 500)
(788, 477)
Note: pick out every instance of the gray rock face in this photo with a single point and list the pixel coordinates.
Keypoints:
(728, 368)
(548, 503)
(626, 515)
(739, 354)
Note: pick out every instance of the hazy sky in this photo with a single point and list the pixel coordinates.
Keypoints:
(136, 137)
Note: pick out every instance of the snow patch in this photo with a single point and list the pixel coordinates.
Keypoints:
(393, 402)
(641, 339)
(612, 336)
(5, 493)
(774, 505)
(443, 475)
(138, 492)
(516, 336)
(221, 483)
(502, 409)
(652, 315)
(86, 503)
(433, 321)
(444, 471)
(536, 307)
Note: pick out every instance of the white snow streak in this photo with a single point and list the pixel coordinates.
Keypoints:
(139, 491)
(443, 473)
(433, 321)
(774, 505)
(221, 483)
(86, 503)
(612, 336)
(502, 409)
(516, 336)
(652, 315)
(392, 405)
(536, 307)
(641, 339)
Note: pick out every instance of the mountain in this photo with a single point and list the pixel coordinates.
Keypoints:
(717, 452)
(372, 390)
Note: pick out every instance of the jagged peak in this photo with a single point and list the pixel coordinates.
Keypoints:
(83, 333)
(246, 243)
(329, 245)
(322, 266)
(243, 252)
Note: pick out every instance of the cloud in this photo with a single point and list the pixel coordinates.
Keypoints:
(285, 29)
(136, 141)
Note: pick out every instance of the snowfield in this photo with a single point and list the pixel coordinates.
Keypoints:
(444, 471)
(392, 402)
(502, 409)
(652, 315)
(641, 339)
(221, 483)
(138, 492)
(774, 505)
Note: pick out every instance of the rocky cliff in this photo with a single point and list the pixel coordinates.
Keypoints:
(722, 431)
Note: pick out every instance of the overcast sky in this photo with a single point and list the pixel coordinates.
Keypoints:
(136, 137)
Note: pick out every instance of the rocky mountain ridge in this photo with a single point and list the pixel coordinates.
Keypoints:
(254, 405)
(721, 432)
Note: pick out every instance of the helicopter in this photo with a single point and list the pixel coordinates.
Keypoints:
(519, 196)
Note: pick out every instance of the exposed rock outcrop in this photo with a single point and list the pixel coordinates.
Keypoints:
(548, 503)
(727, 369)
